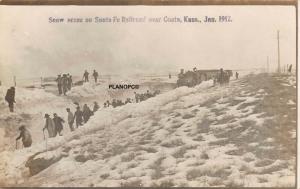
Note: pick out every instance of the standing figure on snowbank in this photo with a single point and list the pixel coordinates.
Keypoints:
(10, 98)
(87, 113)
(86, 76)
(26, 136)
(95, 75)
(50, 126)
(78, 117)
(59, 84)
(70, 82)
(65, 83)
(70, 119)
(58, 122)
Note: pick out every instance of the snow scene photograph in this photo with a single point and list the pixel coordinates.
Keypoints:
(148, 96)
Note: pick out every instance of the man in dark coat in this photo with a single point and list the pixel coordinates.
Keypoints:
(236, 75)
(26, 136)
(70, 81)
(86, 113)
(59, 84)
(50, 126)
(10, 98)
(86, 76)
(95, 75)
(58, 122)
(65, 84)
(78, 116)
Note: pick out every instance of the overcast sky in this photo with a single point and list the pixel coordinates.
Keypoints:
(32, 47)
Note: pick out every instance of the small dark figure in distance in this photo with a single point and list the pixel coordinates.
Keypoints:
(86, 76)
(59, 84)
(78, 117)
(10, 98)
(236, 75)
(95, 75)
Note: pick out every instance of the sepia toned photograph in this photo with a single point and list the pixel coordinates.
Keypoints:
(148, 96)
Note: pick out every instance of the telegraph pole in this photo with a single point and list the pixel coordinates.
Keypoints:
(279, 69)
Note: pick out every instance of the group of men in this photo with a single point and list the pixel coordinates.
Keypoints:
(138, 98)
(144, 96)
(54, 126)
(64, 83)
(223, 76)
(86, 76)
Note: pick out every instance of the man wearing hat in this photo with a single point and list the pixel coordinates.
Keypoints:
(50, 126)
(78, 116)
(10, 98)
(58, 122)
(25, 135)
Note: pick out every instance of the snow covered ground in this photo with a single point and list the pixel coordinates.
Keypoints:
(241, 134)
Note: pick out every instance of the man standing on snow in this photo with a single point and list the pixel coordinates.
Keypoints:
(65, 84)
(25, 135)
(78, 117)
(69, 81)
(10, 98)
(236, 75)
(70, 119)
(86, 76)
(50, 126)
(87, 113)
(59, 84)
(95, 75)
(58, 122)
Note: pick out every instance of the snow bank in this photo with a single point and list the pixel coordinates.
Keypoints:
(27, 96)
(12, 164)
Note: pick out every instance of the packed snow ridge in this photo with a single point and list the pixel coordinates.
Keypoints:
(202, 136)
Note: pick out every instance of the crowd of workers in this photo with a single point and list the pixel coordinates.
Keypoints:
(86, 76)
(55, 125)
(139, 97)
(65, 81)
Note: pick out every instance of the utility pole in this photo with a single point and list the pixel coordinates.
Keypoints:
(279, 70)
